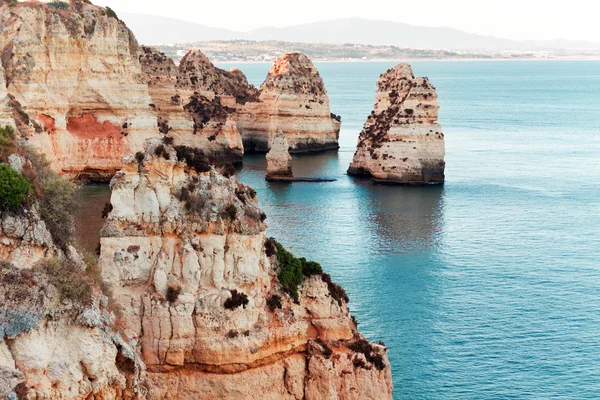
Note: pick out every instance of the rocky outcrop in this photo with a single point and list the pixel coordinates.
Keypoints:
(58, 338)
(184, 253)
(188, 103)
(293, 98)
(74, 85)
(401, 141)
(279, 161)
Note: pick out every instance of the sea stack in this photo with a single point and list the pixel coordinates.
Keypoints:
(279, 160)
(401, 141)
(292, 98)
(188, 102)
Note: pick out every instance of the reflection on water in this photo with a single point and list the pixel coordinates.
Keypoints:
(88, 215)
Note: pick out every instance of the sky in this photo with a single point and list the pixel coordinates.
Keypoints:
(510, 19)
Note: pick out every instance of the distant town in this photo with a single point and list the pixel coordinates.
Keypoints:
(266, 51)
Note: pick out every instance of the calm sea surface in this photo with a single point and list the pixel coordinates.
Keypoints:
(487, 287)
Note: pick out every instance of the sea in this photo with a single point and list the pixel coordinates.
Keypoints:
(487, 287)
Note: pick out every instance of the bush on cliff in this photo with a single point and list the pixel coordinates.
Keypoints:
(7, 142)
(111, 13)
(237, 299)
(59, 5)
(290, 271)
(13, 188)
(55, 197)
(56, 204)
(71, 281)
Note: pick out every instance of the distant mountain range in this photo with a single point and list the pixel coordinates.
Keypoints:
(150, 29)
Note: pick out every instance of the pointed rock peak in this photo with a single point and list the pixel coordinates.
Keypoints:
(195, 57)
(293, 63)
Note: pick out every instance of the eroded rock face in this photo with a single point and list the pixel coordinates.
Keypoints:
(53, 344)
(74, 86)
(401, 141)
(187, 103)
(279, 161)
(184, 254)
(293, 98)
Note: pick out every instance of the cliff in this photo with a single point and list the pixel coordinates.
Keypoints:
(187, 100)
(293, 99)
(75, 85)
(401, 141)
(184, 252)
(58, 338)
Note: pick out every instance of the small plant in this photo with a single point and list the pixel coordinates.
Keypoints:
(70, 281)
(236, 300)
(140, 157)
(270, 248)
(7, 142)
(108, 207)
(325, 349)
(161, 151)
(274, 302)
(194, 158)
(167, 140)
(230, 212)
(56, 205)
(263, 217)
(173, 294)
(364, 347)
(310, 268)
(232, 334)
(290, 271)
(59, 5)
(111, 13)
(336, 291)
(13, 188)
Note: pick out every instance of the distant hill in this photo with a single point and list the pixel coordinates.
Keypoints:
(151, 29)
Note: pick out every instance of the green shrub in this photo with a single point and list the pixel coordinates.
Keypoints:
(56, 204)
(290, 271)
(310, 268)
(111, 13)
(70, 281)
(59, 5)
(7, 142)
(13, 188)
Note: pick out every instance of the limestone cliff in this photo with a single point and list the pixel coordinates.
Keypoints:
(188, 104)
(74, 85)
(401, 141)
(184, 253)
(57, 335)
(292, 98)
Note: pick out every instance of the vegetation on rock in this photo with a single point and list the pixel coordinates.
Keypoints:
(13, 188)
(237, 299)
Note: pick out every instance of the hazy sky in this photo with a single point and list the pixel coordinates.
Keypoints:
(512, 19)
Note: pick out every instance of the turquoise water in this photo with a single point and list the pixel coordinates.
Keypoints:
(487, 287)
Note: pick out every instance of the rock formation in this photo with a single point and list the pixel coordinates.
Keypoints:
(293, 99)
(185, 254)
(74, 85)
(188, 102)
(401, 141)
(57, 336)
(279, 161)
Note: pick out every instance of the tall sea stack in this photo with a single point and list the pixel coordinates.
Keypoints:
(401, 141)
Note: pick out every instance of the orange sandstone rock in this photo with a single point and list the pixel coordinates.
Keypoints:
(401, 141)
